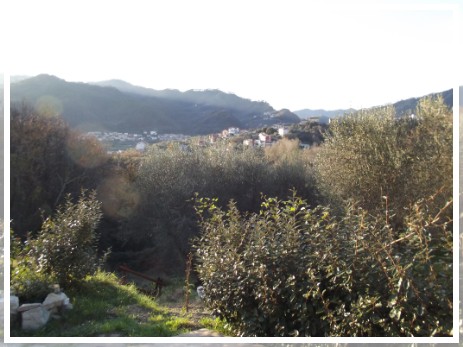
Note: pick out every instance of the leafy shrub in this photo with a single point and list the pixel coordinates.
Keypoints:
(293, 271)
(29, 284)
(64, 252)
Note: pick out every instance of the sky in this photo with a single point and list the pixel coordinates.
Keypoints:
(293, 54)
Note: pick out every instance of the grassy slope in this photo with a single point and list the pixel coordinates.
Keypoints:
(103, 307)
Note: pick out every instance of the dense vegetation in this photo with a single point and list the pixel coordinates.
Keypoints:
(375, 158)
(157, 215)
(48, 160)
(378, 262)
(290, 270)
(356, 233)
(148, 216)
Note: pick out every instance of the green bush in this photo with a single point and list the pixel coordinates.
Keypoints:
(294, 271)
(67, 243)
(64, 252)
(29, 284)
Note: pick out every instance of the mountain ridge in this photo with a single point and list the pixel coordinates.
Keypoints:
(92, 107)
(117, 105)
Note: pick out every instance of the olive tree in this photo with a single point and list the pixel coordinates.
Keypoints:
(382, 161)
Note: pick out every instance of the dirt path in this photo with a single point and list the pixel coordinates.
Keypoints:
(201, 333)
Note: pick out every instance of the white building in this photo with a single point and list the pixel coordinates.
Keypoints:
(263, 137)
(282, 131)
(140, 146)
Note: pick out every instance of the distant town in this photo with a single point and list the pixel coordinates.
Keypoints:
(118, 142)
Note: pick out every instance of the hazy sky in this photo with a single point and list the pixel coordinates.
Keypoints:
(291, 53)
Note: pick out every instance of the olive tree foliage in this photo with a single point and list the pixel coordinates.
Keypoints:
(375, 158)
(292, 270)
(168, 179)
(289, 164)
(283, 151)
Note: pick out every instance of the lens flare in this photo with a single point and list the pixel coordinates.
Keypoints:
(49, 106)
(119, 197)
(85, 151)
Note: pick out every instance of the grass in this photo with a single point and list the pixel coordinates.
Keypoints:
(216, 324)
(104, 307)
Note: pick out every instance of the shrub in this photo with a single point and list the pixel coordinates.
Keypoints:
(293, 271)
(29, 284)
(66, 246)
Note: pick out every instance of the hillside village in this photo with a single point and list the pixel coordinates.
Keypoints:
(117, 142)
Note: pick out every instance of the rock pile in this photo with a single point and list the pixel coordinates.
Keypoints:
(36, 315)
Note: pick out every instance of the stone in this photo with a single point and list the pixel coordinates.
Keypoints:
(55, 301)
(14, 304)
(27, 307)
(33, 316)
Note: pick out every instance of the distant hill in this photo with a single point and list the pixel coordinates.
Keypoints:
(402, 107)
(259, 111)
(119, 106)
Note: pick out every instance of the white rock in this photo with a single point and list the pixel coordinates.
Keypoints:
(27, 307)
(55, 301)
(14, 304)
(35, 317)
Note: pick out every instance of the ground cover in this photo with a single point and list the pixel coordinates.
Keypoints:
(103, 306)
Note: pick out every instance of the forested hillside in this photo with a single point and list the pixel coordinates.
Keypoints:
(123, 109)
